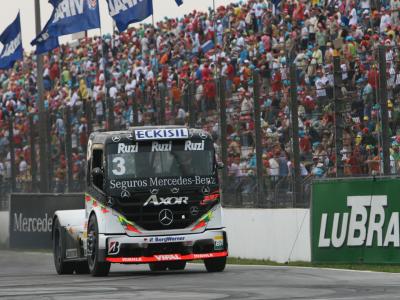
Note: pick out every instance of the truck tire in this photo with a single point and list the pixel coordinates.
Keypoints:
(215, 264)
(176, 265)
(82, 267)
(96, 268)
(158, 266)
(62, 267)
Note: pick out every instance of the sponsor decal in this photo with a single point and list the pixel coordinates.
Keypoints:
(162, 182)
(175, 190)
(129, 226)
(131, 137)
(194, 210)
(362, 226)
(210, 198)
(219, 242)
(125, 194)
(89, 149)
(190, 146)
(203, 221)
(116, 139)
(161, 147)
(166, 217)
(123, 148)
(203, 135)
(24, 224)
(161, 134)
(71, 253)
(113, 247)
(165, 239)
(166, 257)
(157, 201)
(205, 190)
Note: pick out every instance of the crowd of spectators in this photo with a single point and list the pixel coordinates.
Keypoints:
(146, 67)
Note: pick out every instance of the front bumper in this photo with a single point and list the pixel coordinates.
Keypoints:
(126, 249)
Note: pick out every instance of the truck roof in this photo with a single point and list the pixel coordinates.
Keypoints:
(105, 137)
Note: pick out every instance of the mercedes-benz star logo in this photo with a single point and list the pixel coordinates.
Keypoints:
(194, 210)
(125, 194)
(203, 135)
(166, 217)
(175, 190)
(154, 191)
(116, 139)
(205, 190)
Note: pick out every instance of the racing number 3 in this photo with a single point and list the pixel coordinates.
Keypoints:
(120, 166)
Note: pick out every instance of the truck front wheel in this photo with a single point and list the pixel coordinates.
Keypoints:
(177, 265)
(157, 266)
(96, 267)
(62, 267)
(215, 264)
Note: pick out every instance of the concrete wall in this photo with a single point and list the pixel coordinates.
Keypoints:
(271, 234)
(4, 223)
(279, 235)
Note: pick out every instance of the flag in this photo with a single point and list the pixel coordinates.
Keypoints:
(128, 12)
(179, 2)
(74, 16)
(207, 46)
(12, 41)
(44, 42)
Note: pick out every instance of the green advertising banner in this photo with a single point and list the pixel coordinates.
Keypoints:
(356, 221)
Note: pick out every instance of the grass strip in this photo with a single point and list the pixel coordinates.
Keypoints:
(389, 268)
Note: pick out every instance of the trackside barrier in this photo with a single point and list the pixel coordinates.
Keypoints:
(356, 220)
(278, 235)
(31, 217)
(271, 234)
(4, 221)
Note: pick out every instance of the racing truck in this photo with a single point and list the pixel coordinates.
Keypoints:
(152, 197)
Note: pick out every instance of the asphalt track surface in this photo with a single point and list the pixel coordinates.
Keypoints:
(26, 275)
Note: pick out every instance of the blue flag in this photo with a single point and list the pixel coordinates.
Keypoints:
(207, 46)
(128, 12)
(44, 42)
(179, 2)
(12, 41)
(74, 16)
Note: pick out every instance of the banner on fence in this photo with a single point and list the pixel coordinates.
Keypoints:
(31, 217)
(356, 221)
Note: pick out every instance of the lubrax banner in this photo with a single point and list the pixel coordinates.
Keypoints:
(356, 221)
(31, 217)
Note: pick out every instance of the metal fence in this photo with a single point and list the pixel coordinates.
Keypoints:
(273, 138)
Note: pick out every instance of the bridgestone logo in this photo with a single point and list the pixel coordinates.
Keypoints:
(21, 224)
(362, 226)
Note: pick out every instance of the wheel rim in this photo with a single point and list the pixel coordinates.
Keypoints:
(57, 247)
(92, 240)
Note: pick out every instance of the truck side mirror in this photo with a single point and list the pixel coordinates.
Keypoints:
(97, 172)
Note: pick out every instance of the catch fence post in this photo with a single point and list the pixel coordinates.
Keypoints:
(294, 109)
(384, 109)
(258, 140)
(223, 134)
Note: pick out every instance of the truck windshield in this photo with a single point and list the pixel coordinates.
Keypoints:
(143, 162)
